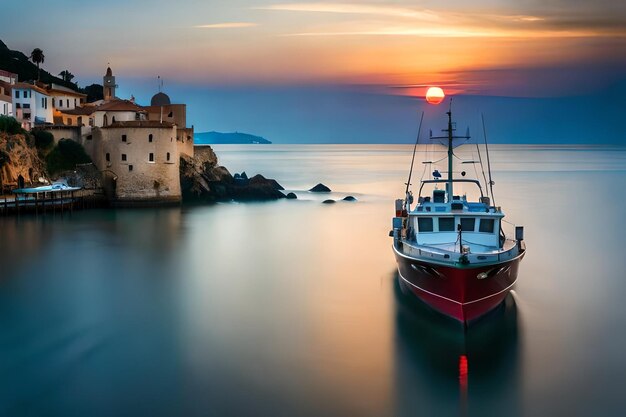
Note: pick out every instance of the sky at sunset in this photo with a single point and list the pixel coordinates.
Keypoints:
(346, 71)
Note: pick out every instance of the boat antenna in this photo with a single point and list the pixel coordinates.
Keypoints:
(482, 167)
(488, 163)
(408, 182)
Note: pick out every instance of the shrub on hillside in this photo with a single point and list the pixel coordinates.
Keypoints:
(65, 156)
(44, 140)
(9, 125)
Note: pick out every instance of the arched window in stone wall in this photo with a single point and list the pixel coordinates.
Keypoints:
(150, 137)
(105, 120)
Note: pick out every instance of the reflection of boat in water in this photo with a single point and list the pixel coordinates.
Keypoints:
(452, 252)
(440, 370)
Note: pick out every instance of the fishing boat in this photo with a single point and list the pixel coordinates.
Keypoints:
(452, 252)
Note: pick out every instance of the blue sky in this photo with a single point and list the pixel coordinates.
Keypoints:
(345, 71)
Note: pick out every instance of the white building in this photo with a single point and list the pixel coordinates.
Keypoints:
(32, 105)
(64, 98)
(7, 80)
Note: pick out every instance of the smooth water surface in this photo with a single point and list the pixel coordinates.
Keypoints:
(290, 308)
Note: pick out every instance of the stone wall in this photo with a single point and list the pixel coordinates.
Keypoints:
(128, 164)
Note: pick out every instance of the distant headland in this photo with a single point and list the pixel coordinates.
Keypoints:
(214, 138)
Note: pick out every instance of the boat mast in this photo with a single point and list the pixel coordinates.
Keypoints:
(450, 153)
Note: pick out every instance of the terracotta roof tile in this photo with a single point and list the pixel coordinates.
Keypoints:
(140, 123)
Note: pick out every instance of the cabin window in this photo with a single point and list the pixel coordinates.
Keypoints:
(425, 224)
(151, 157)
(150, 137)
(123, 157)
(123, 138)
(168, 156)
(446, 224)
(468, 224)
(439, 196)
(486, 226)
(108, 157)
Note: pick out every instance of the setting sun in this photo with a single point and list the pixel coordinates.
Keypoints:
(435, 95)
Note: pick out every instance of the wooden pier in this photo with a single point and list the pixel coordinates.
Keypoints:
(40, 202)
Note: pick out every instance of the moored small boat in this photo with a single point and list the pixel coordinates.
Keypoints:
(452, 252)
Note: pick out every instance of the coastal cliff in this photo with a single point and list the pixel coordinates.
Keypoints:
(203, 180)
(19, 157)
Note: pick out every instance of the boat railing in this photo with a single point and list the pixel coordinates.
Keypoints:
(460, 180)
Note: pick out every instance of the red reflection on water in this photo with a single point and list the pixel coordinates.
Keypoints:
(463, 371)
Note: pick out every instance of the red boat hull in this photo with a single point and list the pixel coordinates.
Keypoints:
(463, 292)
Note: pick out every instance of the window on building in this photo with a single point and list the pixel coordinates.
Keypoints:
(446, 224)
(107, 156)
(17, 93)
(53, 104)
(467, 224)
(26, 94)
(123, 136)
(130, 167)
(68, 102)
(168, 156)
(43, 102)
(69, 121)
(113, 119)
(151, 157)
(18, 106)
(89, 137)
(74, 102)
(486, 226)
(425, 224)
(150, 137)
(27, 105)
(123, 157)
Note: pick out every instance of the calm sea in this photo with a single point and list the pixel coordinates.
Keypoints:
(290, 308)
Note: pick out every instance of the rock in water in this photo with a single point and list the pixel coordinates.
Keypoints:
(292, 196)
(202, 180)
(328, 202)
(320, 188)
(349, 198)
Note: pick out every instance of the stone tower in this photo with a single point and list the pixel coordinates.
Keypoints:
(108, 82)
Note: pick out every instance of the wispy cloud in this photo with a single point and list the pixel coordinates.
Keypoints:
(414, 21)
(226, 25)
(346, 8)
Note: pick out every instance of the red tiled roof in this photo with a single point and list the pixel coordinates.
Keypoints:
(30, 87)
(120, 105)
(139, 123)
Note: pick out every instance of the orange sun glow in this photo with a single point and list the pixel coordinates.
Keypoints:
(435, 95)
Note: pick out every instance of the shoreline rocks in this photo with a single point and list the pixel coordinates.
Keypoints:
(203, 181)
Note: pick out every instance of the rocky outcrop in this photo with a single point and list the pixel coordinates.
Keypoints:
(19, 157)
(320, 188)
(203, 180)
(349, 198)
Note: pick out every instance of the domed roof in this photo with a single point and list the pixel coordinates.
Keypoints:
(160, 99)
(109, 72)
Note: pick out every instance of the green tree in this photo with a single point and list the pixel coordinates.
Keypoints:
(9, 125)
(38, 58)
(65, 156)
(66, 75)
(44, 140)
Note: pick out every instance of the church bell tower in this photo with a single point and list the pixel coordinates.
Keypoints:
(108, 82)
